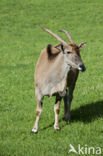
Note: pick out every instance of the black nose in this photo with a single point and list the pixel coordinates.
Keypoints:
(82, 68)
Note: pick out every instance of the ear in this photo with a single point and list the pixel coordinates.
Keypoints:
(81, 45)
(62, 48)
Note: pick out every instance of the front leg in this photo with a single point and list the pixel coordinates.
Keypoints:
(67, 103)
(56, 111)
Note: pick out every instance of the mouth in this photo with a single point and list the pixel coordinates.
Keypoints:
(82, 69)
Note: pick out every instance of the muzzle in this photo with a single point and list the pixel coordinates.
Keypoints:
(82, 68)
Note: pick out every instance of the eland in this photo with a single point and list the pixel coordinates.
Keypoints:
(56, 74)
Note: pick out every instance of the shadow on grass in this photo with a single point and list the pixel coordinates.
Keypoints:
(85, 114)
(88, 112)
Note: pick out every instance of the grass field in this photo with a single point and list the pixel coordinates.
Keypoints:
(21, 41)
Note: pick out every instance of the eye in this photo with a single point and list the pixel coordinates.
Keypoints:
(68, 52)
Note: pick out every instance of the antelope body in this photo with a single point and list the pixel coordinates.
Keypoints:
(57, 71)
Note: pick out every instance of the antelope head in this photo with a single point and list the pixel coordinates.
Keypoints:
(71, 51)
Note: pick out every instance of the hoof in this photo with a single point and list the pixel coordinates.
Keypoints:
(34, 131)
(56, 127)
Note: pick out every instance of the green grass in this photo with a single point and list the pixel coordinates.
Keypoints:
(21, 41)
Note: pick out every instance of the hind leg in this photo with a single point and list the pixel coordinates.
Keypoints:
(67, 103)
(38, 113)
